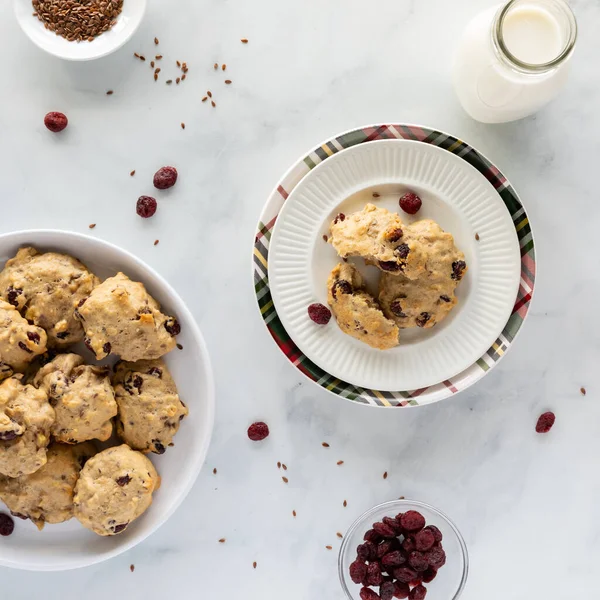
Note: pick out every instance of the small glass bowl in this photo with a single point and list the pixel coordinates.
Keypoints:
(451, 578)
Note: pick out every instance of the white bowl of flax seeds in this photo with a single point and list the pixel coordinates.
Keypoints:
(79, 29)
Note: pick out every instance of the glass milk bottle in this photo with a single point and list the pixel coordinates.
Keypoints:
(513, 59)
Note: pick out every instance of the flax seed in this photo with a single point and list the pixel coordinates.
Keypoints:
(156, 244)
(156, 41)
(222, 541)
(244, 41)
(340, 462)
(228, 81)
(92, 225)
(325, 445)
(215, 66)
(132, 173)
(109, 93)
(285, 480)
(213, 103)
(254, 565)
(224, 67)
(183, 126)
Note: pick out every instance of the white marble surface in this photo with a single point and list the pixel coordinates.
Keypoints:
(312, 69)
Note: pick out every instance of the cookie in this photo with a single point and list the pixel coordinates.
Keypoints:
(149, 407)
(20, 342)
(82, 397)
(46, 496)
(115, 487)
(46, 288)
(378, 236)
(26, 418)
(357, 313)
(120, 317)
(428, 300)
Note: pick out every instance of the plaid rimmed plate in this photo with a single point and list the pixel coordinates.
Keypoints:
(403, 397)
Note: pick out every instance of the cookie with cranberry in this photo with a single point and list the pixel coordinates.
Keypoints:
(82, 397)
(150, 409)
(120, 317)
(46, 288)
(357, 313)
(115, 487)
(46, 496)
(378, 236)
(26, 419)
(20, 342)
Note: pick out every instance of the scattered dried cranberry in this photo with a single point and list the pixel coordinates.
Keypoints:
(123, 481)
(458, 268)
(155, 372)
(545, 422)
(367, 594)
(340, 217)
(418, 592)
(410, 203)
(12, 294)
(173, 327)
(437, 534)
(394, 235)
(7, 436)
(319, 313)
(389, 265)
(402, 250)
(258, 431)
(401, 590)
(358, 571)
(146, 207)
(404, 574)
(418, 561)
(374, 576)
(367, 551)
(106, 348)
(121, 527)
(55, 121)
(158, 447)
(7, 525)
(423, 319)
(342, 286)
(445, 299)
(436, 557)
(384, 530)
(23, 347)
(409, 544)
(391, 522)
(429, 575)
(385, 547)
(412, 521)
(393, 559)
(386, 591)
(396, 309)
(372, 536)
(165, 178)
(424, 540)
(34, 337)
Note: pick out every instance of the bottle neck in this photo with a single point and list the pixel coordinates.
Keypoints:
(558, 10)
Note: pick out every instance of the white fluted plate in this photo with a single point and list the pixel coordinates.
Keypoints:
(455, 195)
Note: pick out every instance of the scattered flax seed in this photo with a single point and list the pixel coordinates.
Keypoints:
(294, 513)
(401, 498)
(156, 41)
(142, 57)
(285, 479)
(183, 77)
(339, 535)
(215, 471)
(224, 67)
(132, 173)
(132, 568)
(183, 124)
(205, 99)
(325, 445)
(284, 466)
(157, 70)
(583, 391)
(385, 475)
(178, 63)
(328, 547)
(136, 55)
(278, 465)
(244, 41)
(340, 462)
(178, 80)
(254, 565)
(92, 225)
(158, 57)
(222, 541)
(152, 64)
(169, 81)
(325, 238)
(209, 94)
(375, 195)
(477, 236)
(213, 103)
(345, 503)
(109, 93)
(228, 82)
(155, 76)
(156, 242)
(179, 346)
(216, 66)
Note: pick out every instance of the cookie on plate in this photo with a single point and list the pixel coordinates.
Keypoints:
(46, 288)
(357, 313)
(120, 317)
(426, 301)
(20, 342)
(46, 496)
(82, 397)
(149, 407)
(26, 418)
(114, 488)
(378, 236)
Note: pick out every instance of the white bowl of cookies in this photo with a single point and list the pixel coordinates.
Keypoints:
(106, 400)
